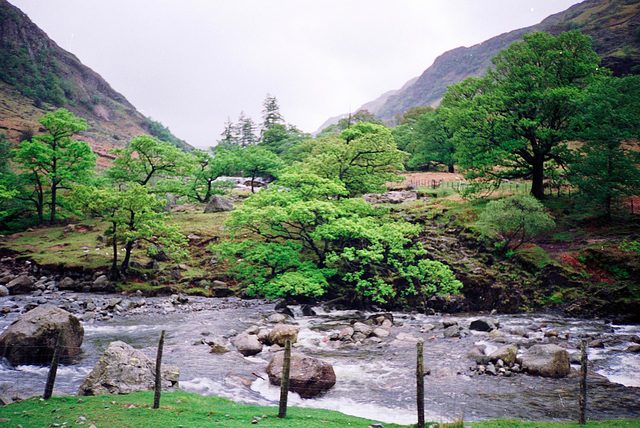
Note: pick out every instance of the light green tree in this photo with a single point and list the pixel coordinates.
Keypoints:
(513, 123)
(363, 157)
(51, 162)
(207, 167)
(308, 239)
(146, 158)
(134, 215)
(256, 161)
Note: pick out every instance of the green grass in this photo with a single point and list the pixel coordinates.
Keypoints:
(181, 409)
(176, 409)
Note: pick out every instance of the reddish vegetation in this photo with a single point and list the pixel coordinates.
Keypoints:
(596, 273)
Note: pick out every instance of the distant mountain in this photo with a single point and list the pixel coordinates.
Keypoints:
(36, 76)
(614, 26)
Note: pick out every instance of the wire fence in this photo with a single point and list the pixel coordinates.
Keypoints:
(12, 384)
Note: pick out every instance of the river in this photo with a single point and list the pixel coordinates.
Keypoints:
(375, 378)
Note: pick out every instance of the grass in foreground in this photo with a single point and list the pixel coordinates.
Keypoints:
(181, 409)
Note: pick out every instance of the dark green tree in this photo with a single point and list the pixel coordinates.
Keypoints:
(513, 123)
(607, 167)
(270, 114)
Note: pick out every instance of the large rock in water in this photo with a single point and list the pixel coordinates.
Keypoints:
(283, 332)
(308, 376)
(218, 203)
(547, 361)
(123, 370)
(31, 339)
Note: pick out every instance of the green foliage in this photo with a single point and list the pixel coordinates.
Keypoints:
(363, 157)
(53, 161)
(516, 218)
(206, 168)
(146, 158)
(511, 124)
(605, 168)
(134, 215)
(309, 239)
(256, 161)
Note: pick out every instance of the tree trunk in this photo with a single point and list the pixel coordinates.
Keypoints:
(537, 179)
(114, 274)
(451, 168)
(54, 194)
(127, 256)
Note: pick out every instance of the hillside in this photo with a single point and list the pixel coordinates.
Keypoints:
(612, 24)
(36, 76)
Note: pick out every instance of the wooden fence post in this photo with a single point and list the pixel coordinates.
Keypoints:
(582, 399)
(53, 370)
(158, 389)
(284, 383)
(420, 384)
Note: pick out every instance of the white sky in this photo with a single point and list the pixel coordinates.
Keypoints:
(191, 64)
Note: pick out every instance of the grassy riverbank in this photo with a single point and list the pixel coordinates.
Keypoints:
(181, 409)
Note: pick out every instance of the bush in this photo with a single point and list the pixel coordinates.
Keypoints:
(515, 219)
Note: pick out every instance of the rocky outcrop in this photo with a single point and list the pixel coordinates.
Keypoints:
(217, 204)
(32, 338)
(393, 197)
(308, 376)
(546, 360)
(22, 284)
(123, 370)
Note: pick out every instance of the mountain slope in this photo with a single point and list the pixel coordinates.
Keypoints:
(612, 24)
(36, 76)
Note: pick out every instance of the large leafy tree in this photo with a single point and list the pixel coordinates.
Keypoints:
(364, 157)
(50, 162)
(606, 168)
(513, 122)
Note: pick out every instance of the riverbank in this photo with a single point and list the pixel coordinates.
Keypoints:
(192, 410)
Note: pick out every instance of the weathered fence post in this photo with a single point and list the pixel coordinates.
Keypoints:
(284, 383)
(420, 384)
(582, 400)
(53, 370)
(158, 390)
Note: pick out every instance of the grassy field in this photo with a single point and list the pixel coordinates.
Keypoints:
(181, 409)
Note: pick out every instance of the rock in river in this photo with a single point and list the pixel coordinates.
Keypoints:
(123, 370)
(31, 339)
(308, 376)
(546, 361)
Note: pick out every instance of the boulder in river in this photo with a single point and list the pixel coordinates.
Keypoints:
(31, 339)
(123, 370)
(506, 353)
(22, 284)
(308, 376)
(283, 332)
(247, 344)
(482, 325)
(546, 360)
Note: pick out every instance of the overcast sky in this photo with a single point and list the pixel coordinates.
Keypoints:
(191, 64)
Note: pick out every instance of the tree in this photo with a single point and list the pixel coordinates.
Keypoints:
(145, 158)
(306, 237)
(246, 131)
(363, 157)
(256, 161)
(516, 219)
(52, 161)
(270, 114)
(207, 168)
(513, 122)
(229, 135)
(133, 214)
(607, 167)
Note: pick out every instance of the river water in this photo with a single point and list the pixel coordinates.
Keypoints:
(375, 379)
